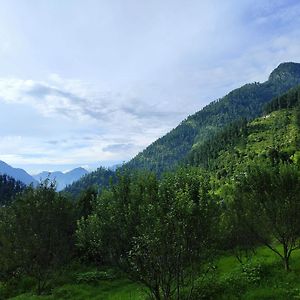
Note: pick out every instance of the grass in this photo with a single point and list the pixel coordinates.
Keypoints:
(120, 289)
(265, 277)
(262, 277)
(80, 283)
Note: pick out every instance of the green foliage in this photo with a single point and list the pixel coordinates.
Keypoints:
(288, 100)
(36, 234)
(165, 232)
(268, 201)
(96, 180)
(270, 139)
(158, 232)
(93, 277)
(205, 154)
(9, 188)
(170, 150)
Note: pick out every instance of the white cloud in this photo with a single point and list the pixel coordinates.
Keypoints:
(122, 75)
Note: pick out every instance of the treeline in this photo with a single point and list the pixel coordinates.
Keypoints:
(98, 179)
(163, 233)
(287, 100)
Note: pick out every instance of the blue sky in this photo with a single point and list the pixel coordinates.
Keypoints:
(90, 83)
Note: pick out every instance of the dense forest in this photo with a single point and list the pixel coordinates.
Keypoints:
(223, 224)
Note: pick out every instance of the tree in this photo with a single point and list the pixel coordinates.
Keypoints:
(159, 233)
(9, 188)
(36, 233)
(235, 236)
(268, 199)
(86, 201)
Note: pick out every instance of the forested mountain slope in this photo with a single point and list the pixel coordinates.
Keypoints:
(273, 137)
(245, 102)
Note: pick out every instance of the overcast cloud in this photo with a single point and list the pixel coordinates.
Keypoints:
(94, 82)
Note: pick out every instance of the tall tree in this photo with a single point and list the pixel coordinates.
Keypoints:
(159, 233)
(36, 233)
(268, 199)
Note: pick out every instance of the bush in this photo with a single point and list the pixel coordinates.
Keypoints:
(252, 273)
(94, 277)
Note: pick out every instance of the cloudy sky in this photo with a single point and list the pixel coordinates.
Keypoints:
(93, 82)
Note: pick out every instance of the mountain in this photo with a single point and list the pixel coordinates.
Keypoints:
(272, 138)
(246, 102)
(62, 179)
(16, 173)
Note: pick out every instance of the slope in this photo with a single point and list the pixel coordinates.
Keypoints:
(272, 138)
(247, 101)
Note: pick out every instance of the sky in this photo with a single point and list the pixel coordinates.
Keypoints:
(94, 82)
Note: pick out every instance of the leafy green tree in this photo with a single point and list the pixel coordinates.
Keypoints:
(9, 188)
(268, 199)
(159, 233)
(85, 201)
(106, 235)
(177, 235)
(36, 233)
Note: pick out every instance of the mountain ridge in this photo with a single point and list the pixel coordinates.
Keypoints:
(247, 102)
(62, 179)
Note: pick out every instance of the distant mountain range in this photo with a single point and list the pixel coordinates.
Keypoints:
(16, 173)
(62, 179)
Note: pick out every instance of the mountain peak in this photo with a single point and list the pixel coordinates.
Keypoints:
(285, 71)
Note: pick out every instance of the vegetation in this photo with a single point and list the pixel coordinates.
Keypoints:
(225, 225)
(9, 188)
(157, 232)
(268, 200)
(247, 102)
(36, 234)
(98, 179)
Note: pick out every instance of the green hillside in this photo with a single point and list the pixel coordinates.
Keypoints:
(245, 102)
(273, 137)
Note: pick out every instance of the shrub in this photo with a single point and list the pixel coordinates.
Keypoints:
(94, 277)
